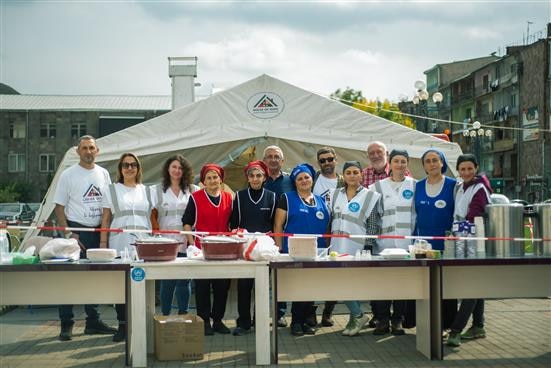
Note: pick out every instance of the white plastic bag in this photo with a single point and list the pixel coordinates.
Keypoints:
(60, 248)
(260, 248)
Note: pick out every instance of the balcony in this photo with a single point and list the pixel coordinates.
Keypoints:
(504, 145)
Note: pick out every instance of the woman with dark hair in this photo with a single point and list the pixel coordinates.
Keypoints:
(209, 209)
(354, 211)
(434, 205)
(472, 196)
(397, 211)
(127, 205)
(170, 200)
(301, 211)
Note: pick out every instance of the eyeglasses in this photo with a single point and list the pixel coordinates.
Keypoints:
(324, 160)
(129, 165)
(257, 175)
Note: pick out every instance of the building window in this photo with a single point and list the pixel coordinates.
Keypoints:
(16, 162)
(514, 100)
(485, 83)
(47, 130)
(47, 162)
(78, 130)
(17, 129)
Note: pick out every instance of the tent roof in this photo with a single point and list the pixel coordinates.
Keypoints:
(303, 116)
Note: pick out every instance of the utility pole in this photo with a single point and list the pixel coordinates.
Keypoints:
(528, 31)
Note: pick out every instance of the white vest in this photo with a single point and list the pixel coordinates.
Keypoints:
(397, 212)
(463, 199)
(350, 217)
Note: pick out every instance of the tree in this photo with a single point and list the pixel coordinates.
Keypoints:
(385, 109)
(349, 96)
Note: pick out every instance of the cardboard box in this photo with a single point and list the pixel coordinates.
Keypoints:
(179, 337)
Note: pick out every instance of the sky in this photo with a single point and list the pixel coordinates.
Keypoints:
(122, 47)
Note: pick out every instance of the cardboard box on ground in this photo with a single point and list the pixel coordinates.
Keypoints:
(179, 337)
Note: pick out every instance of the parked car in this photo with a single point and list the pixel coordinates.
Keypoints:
(16, 213)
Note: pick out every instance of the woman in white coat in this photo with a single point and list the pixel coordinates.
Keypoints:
(397, 211)
(127, 205)
(170, 199)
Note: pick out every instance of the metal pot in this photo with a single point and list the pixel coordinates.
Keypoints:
(157, 248)
(222, 247)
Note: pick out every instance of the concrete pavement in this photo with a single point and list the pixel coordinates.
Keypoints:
(518, 335)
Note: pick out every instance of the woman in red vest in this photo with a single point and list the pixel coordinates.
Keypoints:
(209, 209)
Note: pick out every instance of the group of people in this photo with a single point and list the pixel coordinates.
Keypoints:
(380, 199)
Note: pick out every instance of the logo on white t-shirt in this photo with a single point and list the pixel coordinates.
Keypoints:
(92, 194)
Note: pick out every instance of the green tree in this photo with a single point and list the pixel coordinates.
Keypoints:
(385, 109)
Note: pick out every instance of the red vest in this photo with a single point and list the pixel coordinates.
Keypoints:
(209, 217)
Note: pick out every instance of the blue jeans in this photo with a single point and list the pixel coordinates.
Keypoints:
(90, 240)
(354, 307)
(166, 294)
(183, 291)
(468, 307)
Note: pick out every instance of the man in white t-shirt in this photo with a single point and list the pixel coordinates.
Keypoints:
(79, 203)
(325, 181)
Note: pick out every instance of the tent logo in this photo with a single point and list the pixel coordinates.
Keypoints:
(265, 105)
(92, 194)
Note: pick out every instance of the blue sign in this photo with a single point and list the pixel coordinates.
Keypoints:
(407, 194)
(354, 206)
(138, 274)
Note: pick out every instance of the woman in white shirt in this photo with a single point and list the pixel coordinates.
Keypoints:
(127, 206)
(398, 218)
(170, 199)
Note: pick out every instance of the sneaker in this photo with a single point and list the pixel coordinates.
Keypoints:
(454, 339)
(349, 325)
(98, 328)
(220, 327)
(281, 322)
(182, 312)
(308, 330)
(240, 331)
(353, 326)
(66, 333)
(359, 324)
(474, 333)
(120, 335)
(397, 329)
(446, 333)
(296, 329)
(327, 320)
(372, 322)
(208, 329)
(382, 328)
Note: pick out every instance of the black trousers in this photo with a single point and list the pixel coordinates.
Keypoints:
(219, 289)
(398, 309)
(449, 311)
(299, 310)
(244, 293)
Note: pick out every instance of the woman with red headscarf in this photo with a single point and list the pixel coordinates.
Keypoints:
(253, 210)
(209, 209)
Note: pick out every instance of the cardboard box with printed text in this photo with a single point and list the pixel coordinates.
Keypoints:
(179, 337)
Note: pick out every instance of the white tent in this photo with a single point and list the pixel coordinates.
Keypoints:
(234, 126)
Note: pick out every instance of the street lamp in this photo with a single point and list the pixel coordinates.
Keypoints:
(476, 134)
(420, 101)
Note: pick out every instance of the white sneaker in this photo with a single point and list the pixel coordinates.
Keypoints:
(359, 324)
(349, 325)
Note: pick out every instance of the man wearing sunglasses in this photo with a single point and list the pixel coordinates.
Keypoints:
(326, 181)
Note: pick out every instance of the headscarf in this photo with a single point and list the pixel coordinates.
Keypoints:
(348, 164)
(397, 152)
(212, 167)
(258, 164)
(442, 158)
(302, 168)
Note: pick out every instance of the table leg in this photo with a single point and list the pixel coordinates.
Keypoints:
(138, 343)
(262, 309)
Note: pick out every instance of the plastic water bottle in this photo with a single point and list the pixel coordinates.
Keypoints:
(4, 246)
